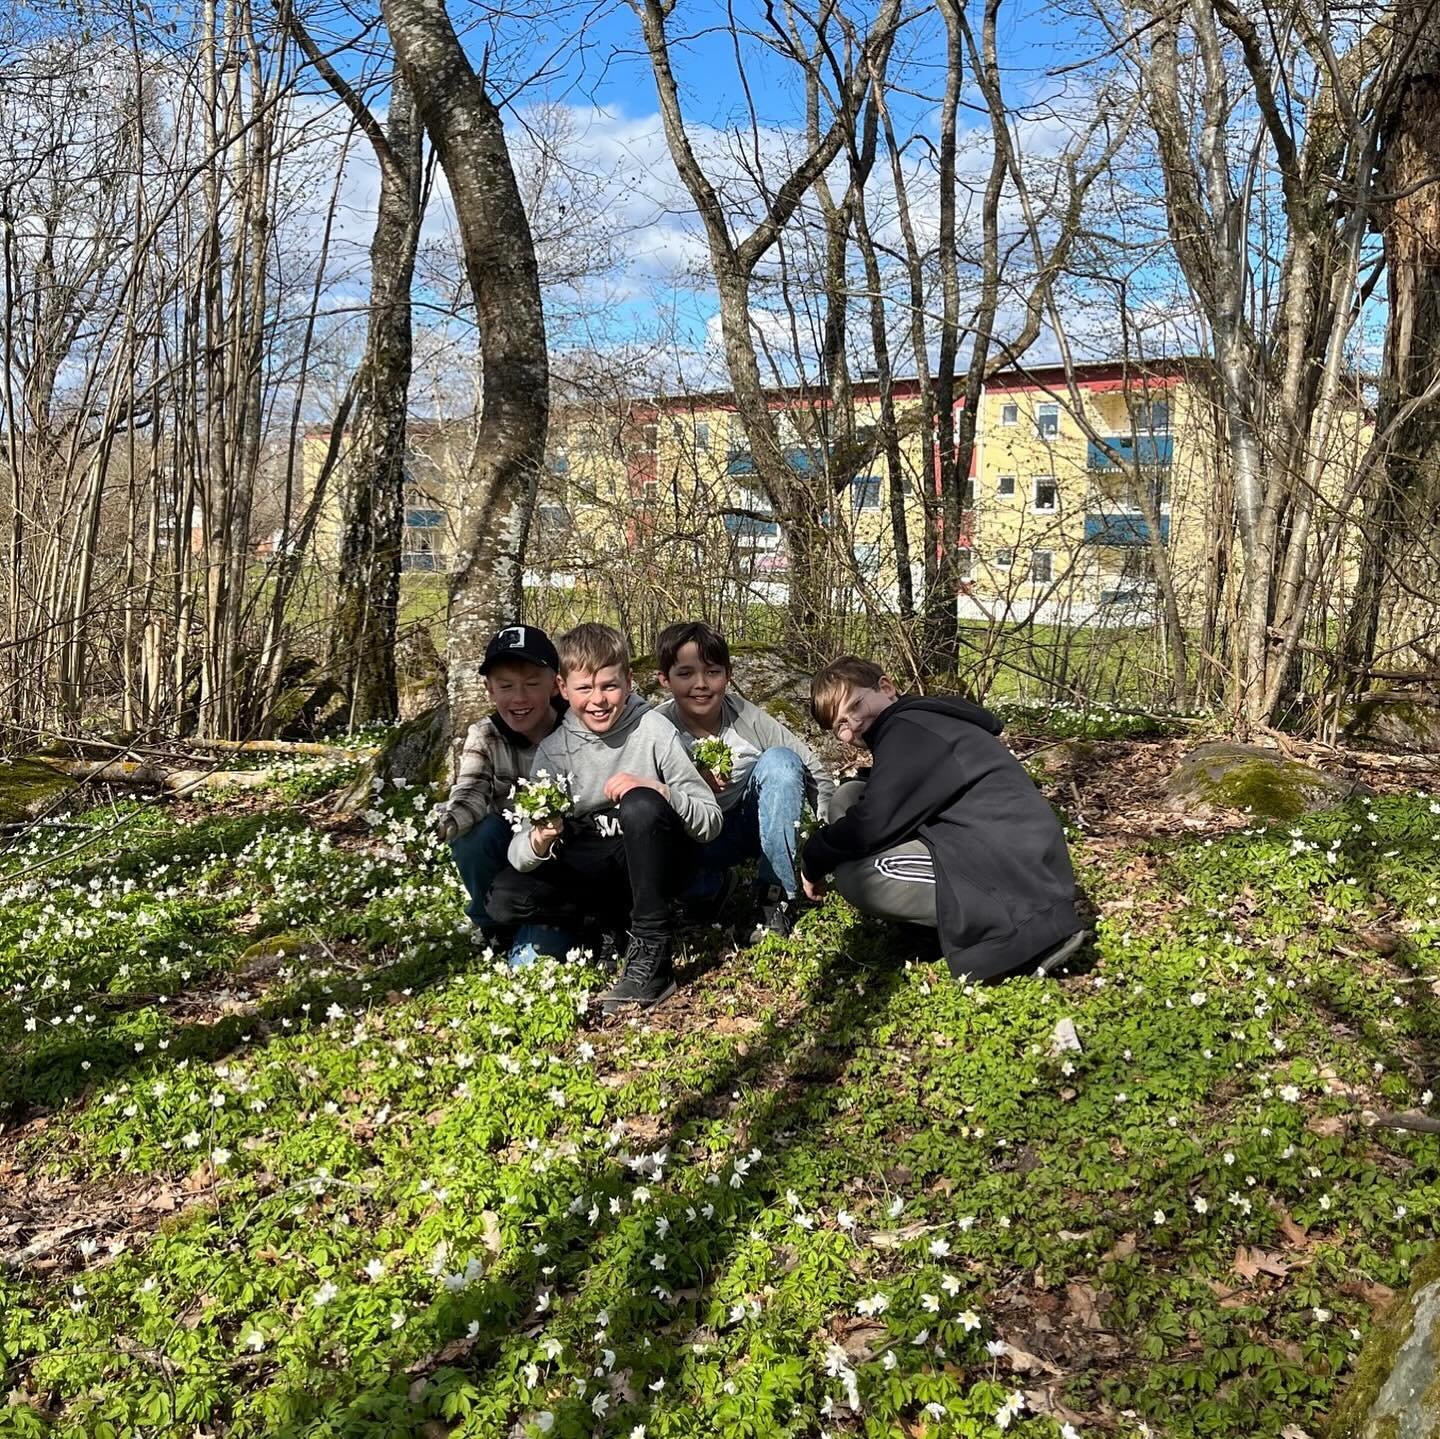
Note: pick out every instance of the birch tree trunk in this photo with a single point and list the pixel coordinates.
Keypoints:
(468, 133)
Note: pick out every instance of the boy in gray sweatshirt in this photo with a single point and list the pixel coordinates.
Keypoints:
(771, 771)
(631, 842)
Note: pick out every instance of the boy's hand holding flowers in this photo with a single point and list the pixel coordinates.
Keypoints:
(544, 801)
(714, 760)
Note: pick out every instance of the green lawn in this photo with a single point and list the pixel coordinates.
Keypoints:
(322, 1168)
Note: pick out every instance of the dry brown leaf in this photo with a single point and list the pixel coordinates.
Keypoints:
(1084, 1304)
(861, 1339)
(1023, 1362)
(1250, 1262)
(1122, 1248)
(493, 1239)
(1293, 1233)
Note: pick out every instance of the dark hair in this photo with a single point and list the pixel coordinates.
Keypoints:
(673, 638)
(830, 686)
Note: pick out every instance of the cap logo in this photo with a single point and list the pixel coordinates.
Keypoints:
(513, 637)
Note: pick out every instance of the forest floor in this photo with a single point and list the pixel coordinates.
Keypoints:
(283, 1153)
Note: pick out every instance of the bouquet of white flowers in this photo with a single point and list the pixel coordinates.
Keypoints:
(714, 755)
(541, 800)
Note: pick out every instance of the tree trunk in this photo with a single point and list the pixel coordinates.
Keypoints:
(468, 133)
(367, 601)
(1403, 504)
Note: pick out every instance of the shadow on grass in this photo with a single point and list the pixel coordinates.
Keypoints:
(54, 1076)
(796, 1059)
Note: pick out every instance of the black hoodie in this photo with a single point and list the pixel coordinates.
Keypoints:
(1004, 887)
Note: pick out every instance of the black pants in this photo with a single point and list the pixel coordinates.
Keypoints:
(630, 877)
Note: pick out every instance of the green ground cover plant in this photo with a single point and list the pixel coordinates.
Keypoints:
(334, 1170)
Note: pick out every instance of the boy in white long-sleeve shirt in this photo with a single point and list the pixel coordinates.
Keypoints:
(632, 841)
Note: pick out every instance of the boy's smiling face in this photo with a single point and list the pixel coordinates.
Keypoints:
(860, 709)
(522, 693)
(597, 696)
(698, 685)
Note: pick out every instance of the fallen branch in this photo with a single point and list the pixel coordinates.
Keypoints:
(154, 776)
(45, 1244)
(1411, 1120)
(281, 746)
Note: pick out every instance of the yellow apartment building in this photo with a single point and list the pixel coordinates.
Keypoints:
(1070, 480)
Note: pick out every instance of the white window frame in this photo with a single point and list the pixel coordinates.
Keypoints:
(1145, 417)
(1049, 564)
(868, 556)
(855, 493)
(1014, 489)
(1035, 506)
(1044, 412)
(1007, 419)
(1004, 557)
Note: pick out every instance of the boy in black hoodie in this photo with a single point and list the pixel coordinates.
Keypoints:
(949, 832)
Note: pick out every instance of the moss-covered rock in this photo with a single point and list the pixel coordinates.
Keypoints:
(1406, 719)
(1221, 775)
(417, 752)
(29, 787)
(1395, 1393)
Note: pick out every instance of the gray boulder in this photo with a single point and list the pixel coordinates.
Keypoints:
(1395, 1393)
(417, 752)
(1222, 775)
(1403, 719)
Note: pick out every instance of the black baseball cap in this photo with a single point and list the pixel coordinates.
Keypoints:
(521, 642)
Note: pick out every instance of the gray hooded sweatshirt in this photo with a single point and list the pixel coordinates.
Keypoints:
(750, 731)
(641, 743)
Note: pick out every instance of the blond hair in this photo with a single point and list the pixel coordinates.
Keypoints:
(592, 647)
(830, 686)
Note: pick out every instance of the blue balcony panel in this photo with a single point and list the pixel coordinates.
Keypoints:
(1123, 530)
(742, 462)
(746, 526)
(424, 519)
(1154, 451)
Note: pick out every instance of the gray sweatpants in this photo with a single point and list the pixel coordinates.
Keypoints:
(898, 883)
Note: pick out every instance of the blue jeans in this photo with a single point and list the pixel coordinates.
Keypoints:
(763, 824)
(480, 857)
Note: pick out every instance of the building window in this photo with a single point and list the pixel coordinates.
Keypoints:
(1047, 495)
(865, 492)
(967, 495)
(1004, 559)
(1010, 414)
(702, 434)
(1153, 417)
(1006, 487)
(551, 521)
(650, 495)
(964, 563)
(1047, 420)
(1041, 566)
(650, 438)
(867, 558)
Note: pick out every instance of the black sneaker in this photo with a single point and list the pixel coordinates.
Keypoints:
(649, 976)
(774, 914)
(1055, 956)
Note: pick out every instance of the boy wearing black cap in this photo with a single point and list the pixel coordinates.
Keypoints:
(521, 672)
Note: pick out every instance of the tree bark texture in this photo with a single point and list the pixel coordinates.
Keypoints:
(368, 592)
(468, 133)
(1400, 512)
